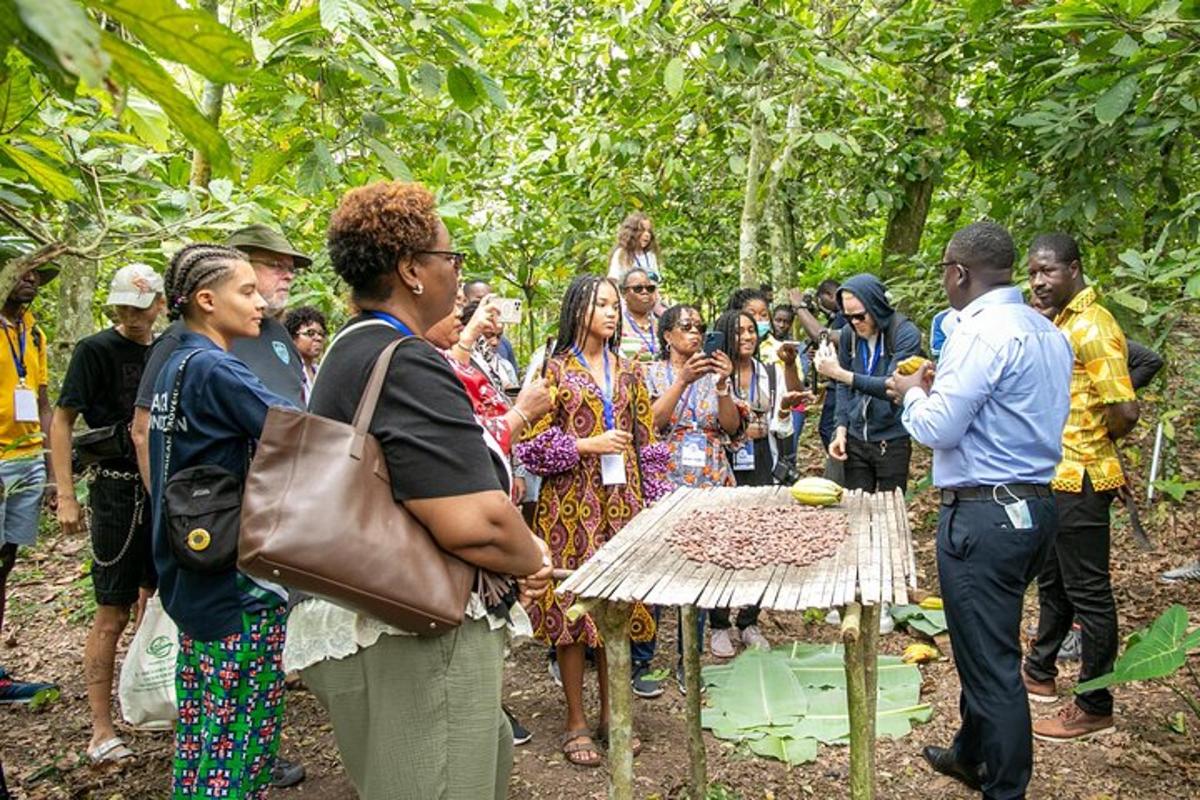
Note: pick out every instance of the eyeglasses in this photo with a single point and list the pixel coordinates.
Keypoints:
(312, 333)
(945, 264)
(645, 288)
(288, 267)
(857, 317)
(690, 327)
(456, 258)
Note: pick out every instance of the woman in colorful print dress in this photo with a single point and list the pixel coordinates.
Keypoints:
(596, 452)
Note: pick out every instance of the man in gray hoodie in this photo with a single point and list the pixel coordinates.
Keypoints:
(869, 437)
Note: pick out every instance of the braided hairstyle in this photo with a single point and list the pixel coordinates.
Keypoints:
(578, 309)
(667, 323)
(197, 266)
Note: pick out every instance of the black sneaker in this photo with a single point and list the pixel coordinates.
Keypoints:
(285, 774)
(23, 692)
(521, 734)
(644, 686)
(680, 681)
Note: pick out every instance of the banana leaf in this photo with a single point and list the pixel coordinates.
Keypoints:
(762, 691)
(928, 621)
(789, 751)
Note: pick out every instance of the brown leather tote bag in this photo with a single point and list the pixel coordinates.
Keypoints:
(318, 515)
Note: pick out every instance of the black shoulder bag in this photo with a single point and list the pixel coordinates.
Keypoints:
(202, 504)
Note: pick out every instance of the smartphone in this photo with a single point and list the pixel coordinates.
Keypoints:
(510, 310)
(714, 341)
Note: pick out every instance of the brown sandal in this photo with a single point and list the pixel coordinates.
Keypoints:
(572, 749)
(602, 737)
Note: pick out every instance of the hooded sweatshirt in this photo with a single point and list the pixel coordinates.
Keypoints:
(863, 406)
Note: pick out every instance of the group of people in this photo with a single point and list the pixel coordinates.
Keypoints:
(635, 395)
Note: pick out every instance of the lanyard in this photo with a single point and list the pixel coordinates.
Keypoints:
(648, 341)
(645, 261)
(17, 350)
(606, 397)
(874, 360)
(753, 381)
(688, 400)
(390, 320)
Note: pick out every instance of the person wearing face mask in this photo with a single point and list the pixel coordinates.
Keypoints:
(869, 438)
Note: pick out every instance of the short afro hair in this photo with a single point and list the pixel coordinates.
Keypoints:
(374, 227)
(1062, 245)
(297, 318)
(983, 245)
(739, 299)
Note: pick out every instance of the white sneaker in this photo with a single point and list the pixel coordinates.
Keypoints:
(886, 623)
(833, 617)
(721, 644)
(752, 637)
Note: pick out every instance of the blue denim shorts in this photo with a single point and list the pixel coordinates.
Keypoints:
(24, 481)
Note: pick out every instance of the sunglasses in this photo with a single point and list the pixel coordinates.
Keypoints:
(690, 327)
(456, 258)
(645, 288)
(857, 317)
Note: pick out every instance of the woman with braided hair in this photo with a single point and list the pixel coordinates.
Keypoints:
(209, 409)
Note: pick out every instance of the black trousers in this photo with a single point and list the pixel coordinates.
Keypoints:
(877, 466)
(984, 567)
(746, 616)
(1075, 582)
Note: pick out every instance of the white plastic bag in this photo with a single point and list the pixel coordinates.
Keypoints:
(147, 686)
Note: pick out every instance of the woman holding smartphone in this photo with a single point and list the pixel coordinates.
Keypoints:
(597, 454)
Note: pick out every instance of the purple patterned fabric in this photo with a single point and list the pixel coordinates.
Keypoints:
(550, 452)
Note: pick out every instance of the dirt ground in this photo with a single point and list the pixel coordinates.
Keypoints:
(43, 752)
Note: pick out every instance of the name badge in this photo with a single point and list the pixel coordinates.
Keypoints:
(612, 469)
(695, 451)
(743, 457)
(1018, 515)
(25, 408)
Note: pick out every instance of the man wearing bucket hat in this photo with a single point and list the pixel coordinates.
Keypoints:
(24, 420)
(272, 356)
(101, 384)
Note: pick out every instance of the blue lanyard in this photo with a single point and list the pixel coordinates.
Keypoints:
(874, 361)
(688, 400)
(18, 357)
(390, 320)
(606, 397)
(649, 342)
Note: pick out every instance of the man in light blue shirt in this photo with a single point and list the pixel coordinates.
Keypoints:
(994, 418)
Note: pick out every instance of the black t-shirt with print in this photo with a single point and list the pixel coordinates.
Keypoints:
(102, 382)
(424, 420)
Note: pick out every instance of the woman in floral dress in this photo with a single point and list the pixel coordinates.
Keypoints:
(596, 453)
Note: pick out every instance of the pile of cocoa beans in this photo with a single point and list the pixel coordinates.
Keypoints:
(749, 537)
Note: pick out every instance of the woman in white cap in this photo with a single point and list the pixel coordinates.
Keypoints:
(100, 385)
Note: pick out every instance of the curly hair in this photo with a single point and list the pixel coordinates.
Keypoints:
(739, 299)
(374, 227)
(195, 267)
(627, 238)
(297, 318)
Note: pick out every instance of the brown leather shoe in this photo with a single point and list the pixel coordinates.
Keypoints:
(1039, 691)
(1072, 723)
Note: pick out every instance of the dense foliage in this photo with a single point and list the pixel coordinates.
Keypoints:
(768, 140)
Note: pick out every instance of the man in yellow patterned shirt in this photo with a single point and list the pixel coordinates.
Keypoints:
(1075, 581)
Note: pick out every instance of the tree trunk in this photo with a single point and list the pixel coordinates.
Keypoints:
(859, 651)
(907, 223)
(697, 757)
(210, 106)
(74, 318)
(613, 619)
(752, 202)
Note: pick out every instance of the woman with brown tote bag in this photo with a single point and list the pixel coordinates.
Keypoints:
(414, 716)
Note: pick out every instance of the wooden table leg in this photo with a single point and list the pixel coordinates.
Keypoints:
(860, 706)
(613, 621)
(688, 616)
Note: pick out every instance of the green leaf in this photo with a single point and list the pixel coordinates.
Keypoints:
(391, 162)
(334, 14)
(44, 175)
(1156, 655)
(1193, 286)
(1115, 101)
(930, 622)
(1128, 300)
(189, 36)
(75, 39)
(139, 68)
(789, 751)
(673, 76)
(763, 691)
(429, 79)
(836, 66)
(1125, 47)
(461, 83)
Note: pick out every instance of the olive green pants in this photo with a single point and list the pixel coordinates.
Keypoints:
(419, 718)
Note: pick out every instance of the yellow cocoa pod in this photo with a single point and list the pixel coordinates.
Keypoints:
(919, 654)
(816, 492)
(911, 364)
(931, 603)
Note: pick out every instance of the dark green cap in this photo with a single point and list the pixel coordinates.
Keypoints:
(264, 237)
(11, 248)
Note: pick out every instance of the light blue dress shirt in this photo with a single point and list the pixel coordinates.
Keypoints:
(1000, 399)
